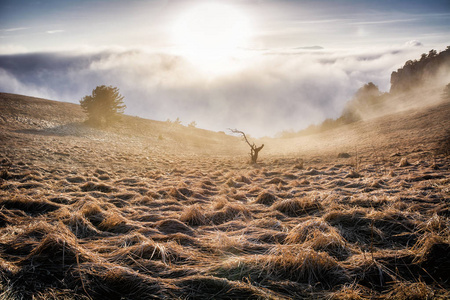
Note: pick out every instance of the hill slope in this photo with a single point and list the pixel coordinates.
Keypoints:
(419, 117)
(120, 214)
(22, 114)
(407, 129)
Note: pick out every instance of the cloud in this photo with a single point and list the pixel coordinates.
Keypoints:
(388, 21)
(271, 92)
(13, 29)
(310, 48)
(11, 48)
(9, 80)
(54, 31)
(413, 43)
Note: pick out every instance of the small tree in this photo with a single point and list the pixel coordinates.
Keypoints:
(177, 121)
(254, 151)
(446, 93)
(104, 106)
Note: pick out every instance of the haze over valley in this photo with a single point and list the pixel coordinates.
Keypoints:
(271, 66)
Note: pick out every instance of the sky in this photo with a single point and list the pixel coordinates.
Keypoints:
(262, 66)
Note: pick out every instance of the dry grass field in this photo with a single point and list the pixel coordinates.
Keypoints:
(150, 210)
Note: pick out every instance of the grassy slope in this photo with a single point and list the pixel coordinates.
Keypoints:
(119, 213)
(410, 120)
(46, 117)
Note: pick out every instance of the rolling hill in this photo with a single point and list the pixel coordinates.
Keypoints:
(152, 210)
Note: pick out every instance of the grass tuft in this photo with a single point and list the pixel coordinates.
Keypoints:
(29, 205)
(193, 215)
(297, 206)
(410, 290)
(266, 198)
(229, 212)
(173, 226)
(320, 236)
(286, 263)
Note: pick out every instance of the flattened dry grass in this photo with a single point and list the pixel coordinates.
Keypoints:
(354, 226)
(110, 281)
(285, 263)
(410, 290)
(173, 226)
(116, 217)
(351, 292)
(296, 207)
(29, 205)
(45, 256)
(266, 198)
(229, 212)
(320, 236)
(148, 249)
(433, 254)
(193, 215)
(93, 186)
(209, 287)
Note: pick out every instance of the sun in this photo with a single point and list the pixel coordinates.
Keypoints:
(211, 34)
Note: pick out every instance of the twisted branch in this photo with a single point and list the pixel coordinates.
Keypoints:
(253, 149)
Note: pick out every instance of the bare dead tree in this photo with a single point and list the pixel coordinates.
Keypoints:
(253, 149)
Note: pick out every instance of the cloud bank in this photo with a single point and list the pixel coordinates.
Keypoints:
(271, 92)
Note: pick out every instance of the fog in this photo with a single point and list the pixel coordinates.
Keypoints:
(268, 91)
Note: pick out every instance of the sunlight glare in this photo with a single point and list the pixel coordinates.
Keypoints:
(210, 35)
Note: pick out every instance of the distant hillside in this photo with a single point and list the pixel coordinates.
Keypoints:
(21, 112)
(417, 83)
(431, 69)
(417, 128)
(25, 114)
